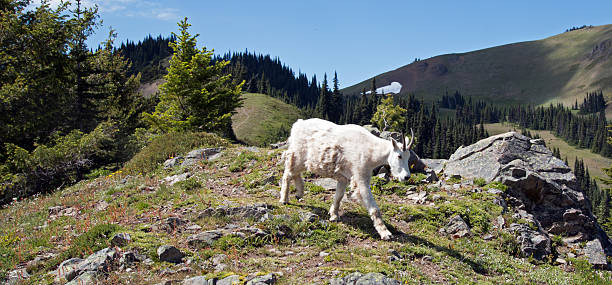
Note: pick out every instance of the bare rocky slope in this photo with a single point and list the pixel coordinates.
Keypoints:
(503, 211)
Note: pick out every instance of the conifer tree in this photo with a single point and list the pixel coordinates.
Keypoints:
(322, 109)
(388, 116)
(196, 95)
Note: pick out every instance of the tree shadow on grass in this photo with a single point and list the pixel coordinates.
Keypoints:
(364, 224)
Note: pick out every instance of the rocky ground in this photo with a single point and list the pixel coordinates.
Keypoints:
(212, 217)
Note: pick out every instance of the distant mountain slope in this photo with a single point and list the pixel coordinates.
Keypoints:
(263, 120)
(556, 69)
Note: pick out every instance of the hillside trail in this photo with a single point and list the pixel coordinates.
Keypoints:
(247, 112)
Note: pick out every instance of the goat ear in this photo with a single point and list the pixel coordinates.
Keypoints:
(394, 143)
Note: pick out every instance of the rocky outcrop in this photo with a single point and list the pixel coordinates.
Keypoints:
(193, 157)
(542, 191)
(170, 254)
(255, 211)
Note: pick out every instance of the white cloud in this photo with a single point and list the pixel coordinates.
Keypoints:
(168, 14)
(395, 87)
(127, 8)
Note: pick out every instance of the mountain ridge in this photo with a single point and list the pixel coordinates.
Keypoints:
(560, 68)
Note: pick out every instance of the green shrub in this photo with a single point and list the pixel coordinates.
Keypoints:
(480, 181)
(189, 184)
(241, 161)
(168, 145)
(87, 243)
(63, 161)
(496, 185)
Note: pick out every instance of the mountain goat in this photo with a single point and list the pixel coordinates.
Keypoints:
(344, 153)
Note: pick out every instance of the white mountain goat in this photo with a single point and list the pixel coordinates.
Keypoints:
(344, 153)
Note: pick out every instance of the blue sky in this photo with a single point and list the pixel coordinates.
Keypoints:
(358, 38)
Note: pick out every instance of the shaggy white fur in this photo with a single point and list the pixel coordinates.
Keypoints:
(344, 153)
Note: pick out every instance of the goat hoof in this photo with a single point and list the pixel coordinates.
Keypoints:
(282, 202)
(386, 236)
(333, 218)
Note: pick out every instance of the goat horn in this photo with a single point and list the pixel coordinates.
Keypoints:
(411, 138)
(403, 141)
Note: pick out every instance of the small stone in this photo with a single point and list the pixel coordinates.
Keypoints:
(171, 180)
(204, 238)
(457, 227)
(427, 258)
(500, 221)
(560, 260)
(167, 272)
(172, 162)
(219, 258)
(487, 237)
(308, 217)
(220, 267)
(174, 223)
(55, 210)
(121, 239)
(102, 205)
(326, 183)
(289, 252)
(194, 227)
(170, 254)
(17, 276)
(267, 279)
(323, 254)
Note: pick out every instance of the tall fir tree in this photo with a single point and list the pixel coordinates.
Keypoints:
(196, 95)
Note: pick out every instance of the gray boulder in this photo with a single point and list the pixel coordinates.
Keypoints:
(229, 280)
(86, 278)
(17, 276)
(66, 269)
(267, 279)
(457, 227)
(201, 154)
(207, 238)
(170, 254)
(173, 162)
(532, 243)
(255, 211)
(595, 254)
(437, 165)
(101, 261)
(171, 180)
(326, 183)
(364, 279)
(199, 280)
(539, 184)
(121, 239)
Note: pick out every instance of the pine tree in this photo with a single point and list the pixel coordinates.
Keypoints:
(195, 96)
(322, 109)
(388, 116)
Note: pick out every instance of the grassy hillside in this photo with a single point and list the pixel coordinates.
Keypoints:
(593, 161)
(556, 69)
(297, 242)
(263, 120)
